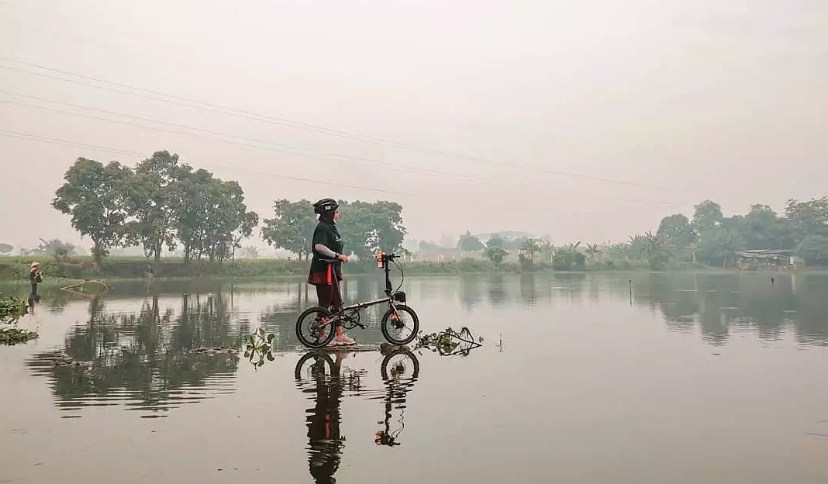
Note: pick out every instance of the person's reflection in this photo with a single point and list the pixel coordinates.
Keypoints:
(320, 375)
(400, 370)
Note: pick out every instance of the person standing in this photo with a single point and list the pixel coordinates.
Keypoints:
(35, 277)
(324, 275)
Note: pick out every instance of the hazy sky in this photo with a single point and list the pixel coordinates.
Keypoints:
(583, 119)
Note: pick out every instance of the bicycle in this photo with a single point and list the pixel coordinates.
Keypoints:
(315, 327)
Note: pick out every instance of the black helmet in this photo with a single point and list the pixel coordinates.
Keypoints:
(325, 205)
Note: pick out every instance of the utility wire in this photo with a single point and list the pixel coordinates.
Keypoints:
(204, 105)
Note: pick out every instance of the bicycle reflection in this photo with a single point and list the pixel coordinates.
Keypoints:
(325, 380)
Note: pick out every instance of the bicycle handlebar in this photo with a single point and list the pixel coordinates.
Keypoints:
(388, 257)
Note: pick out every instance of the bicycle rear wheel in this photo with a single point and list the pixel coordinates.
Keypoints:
(400, 327)
(315, 327)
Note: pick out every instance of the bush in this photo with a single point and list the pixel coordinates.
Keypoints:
(569, 260)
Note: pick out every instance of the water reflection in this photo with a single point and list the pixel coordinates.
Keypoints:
(322, 377)
(150, 361)
(718, 304)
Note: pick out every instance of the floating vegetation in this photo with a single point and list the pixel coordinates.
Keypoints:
(11, 309)
(449, 342)
(13, 335)
(87, 287)
(259, 345)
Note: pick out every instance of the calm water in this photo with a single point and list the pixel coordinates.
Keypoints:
(680, 378)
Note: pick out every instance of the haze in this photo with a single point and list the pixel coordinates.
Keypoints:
(581, 120)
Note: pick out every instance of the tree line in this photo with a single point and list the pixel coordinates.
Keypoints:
(163, 203)
(365, 227)
(713, 239)
(708, 238)
(159, 203)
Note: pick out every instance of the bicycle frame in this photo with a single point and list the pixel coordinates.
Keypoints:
(391, 296)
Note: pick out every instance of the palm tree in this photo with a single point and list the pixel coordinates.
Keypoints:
(548, 250)
(531, 247)
(592, 251)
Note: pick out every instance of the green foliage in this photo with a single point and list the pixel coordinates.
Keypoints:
(707, 217)
(530, 247)
(569, 258)
(56, 248)
(11, 309)
(677, 229)
(469, 243)
(154, 196)
(449, 342)
(5, 248)
(259, 346)
(291, 227)
(807, 218)
(814, 250)
(592, 251)
(366, 227)
(93, 194)
(496, 254)
(12, 336)
(159, 204)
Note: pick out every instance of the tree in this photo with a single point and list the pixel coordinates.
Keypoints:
(592, 252)
(291, 227)
(569, 258)
(368, 226)
(807, 218)
(761, 228)
(5, 248)
(547, 250)
(495, 240)
(678, 230)
(56, 248)
(195, 205)
(814, 250)
(226, 221)
(496, 254)
(153, 199)
(720, 247)
(707, 216)
(93, 194)
(469, 243)
(531, 247)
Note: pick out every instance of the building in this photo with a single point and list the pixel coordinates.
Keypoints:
(758, 259)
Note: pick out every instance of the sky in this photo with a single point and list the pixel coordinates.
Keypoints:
(577, 120)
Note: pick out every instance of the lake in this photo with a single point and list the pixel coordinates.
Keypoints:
(581, 378)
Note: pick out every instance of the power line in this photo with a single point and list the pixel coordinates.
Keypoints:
(498, 206)
(125, 123)
(221, 138)
(44, 139)
(198, 104)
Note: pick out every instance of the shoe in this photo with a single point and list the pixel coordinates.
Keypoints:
(343, 340)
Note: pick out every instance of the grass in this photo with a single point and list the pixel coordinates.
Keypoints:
(76, 269)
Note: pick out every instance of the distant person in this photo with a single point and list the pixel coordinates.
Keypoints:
(35, 277)
(327, 244)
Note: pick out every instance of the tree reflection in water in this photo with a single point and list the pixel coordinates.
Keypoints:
(150, 361)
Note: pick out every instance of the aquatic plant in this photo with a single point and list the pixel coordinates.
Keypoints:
(449, 342)
(259, 344)
(11, 309)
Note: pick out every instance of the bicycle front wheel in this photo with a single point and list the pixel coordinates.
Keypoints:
(315, 327)
(400, 327)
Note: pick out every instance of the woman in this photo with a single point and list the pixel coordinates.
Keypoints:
(327, 244)
(35, 277)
